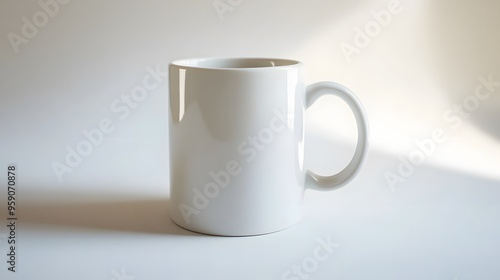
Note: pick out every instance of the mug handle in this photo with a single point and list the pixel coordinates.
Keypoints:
(323, 183)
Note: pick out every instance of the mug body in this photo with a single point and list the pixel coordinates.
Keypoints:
(236, 149)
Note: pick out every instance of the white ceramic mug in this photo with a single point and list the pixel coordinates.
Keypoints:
(236, 130)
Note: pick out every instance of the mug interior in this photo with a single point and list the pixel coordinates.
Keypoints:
(234, 63)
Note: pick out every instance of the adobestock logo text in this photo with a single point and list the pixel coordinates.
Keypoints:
(249, 149)
(363, 37)
(121, 107)
(221, 7)
(310, 264)
(49, 9)
(454, 117)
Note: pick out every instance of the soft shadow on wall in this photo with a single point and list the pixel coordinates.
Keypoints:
(465, 39)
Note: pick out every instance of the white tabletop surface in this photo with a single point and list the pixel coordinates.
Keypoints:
(439, 224)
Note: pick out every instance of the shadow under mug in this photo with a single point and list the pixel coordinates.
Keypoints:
(236, 132)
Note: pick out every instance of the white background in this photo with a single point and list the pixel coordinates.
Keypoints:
(108, 216)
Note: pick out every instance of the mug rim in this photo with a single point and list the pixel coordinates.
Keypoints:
(241, 63)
